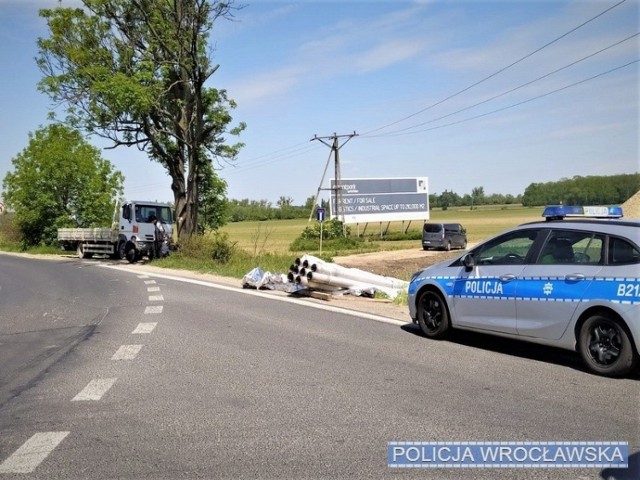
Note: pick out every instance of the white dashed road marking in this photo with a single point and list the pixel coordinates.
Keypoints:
(127, 352)
(32, 452)
(151, 309)
(145, 327)
(27, 458)
(95, 389)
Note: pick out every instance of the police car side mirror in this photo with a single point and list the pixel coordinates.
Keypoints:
(468, 262)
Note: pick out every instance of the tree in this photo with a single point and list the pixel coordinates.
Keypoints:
(284, 202)
(477, 196)
(134, 72)
(212, 199)
(448, 199)
(309, 203)
(60, 180)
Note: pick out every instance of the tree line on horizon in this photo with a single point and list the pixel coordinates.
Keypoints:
(589, 190)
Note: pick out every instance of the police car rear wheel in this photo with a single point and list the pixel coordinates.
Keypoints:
(433, 316)
(606, 347)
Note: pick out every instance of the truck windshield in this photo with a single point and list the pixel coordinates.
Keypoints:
(144, 213)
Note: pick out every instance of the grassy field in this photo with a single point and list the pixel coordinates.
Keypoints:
(276, 235)
(266, 244)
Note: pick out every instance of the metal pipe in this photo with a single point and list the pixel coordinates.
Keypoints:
(358, 276)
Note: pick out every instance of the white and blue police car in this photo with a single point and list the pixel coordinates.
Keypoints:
(570, 281)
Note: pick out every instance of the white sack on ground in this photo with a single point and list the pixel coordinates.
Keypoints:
(257, 278)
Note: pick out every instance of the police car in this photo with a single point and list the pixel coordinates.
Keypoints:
(570, 281)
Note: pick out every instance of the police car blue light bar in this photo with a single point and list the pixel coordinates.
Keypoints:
(562, 211)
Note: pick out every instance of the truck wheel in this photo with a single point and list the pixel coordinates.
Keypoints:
(131, 252)
(121, 253)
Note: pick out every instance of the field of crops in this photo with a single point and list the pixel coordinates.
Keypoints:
(276, 235)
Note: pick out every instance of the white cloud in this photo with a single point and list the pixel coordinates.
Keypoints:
(343, 48)
(266, 85)
(385, 55)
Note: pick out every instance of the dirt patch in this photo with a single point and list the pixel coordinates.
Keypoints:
(631, 208)
(395, 263)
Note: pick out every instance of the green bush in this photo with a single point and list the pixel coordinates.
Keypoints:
(330, 229)
(214, 246)
(223, 249)
(9, 231)
(399, 236)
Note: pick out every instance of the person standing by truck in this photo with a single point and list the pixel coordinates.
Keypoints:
(158, 238)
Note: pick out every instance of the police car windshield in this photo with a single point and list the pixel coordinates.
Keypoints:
(508, 249)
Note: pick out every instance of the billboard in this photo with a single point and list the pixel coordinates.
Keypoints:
(362, 200)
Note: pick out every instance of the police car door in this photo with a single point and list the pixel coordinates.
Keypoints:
(552, 287)
(484, 298)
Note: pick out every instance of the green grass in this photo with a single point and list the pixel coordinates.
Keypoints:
(277, 235)
(239, 265)
(267, 244)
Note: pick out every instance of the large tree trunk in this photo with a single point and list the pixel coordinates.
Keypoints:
(186, 194)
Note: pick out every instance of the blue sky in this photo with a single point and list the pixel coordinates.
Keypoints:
(304, 68)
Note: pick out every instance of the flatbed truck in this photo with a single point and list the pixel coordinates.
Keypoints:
(131, 236)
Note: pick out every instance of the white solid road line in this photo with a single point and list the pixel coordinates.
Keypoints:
(127, 352)
(95, 389)
(143, 276)
(32, 452)
(328, 308)
(145, 327)
(151, 309)
(156, 298)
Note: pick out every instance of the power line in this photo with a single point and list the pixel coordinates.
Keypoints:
(518, 103)
(258, 164)
(411, 127)
(495, 73)
(284, 149)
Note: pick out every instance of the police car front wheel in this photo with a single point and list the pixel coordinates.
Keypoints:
(433, 316)
(606, 347)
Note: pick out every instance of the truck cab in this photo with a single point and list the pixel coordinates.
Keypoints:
(136, 228)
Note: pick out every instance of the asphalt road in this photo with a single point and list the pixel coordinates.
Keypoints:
(107, 373)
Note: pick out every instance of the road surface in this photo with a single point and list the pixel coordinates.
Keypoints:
(119, 373)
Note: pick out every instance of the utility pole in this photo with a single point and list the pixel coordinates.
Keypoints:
(335, 149)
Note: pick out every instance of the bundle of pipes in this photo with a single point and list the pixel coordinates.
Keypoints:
(315, 273)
